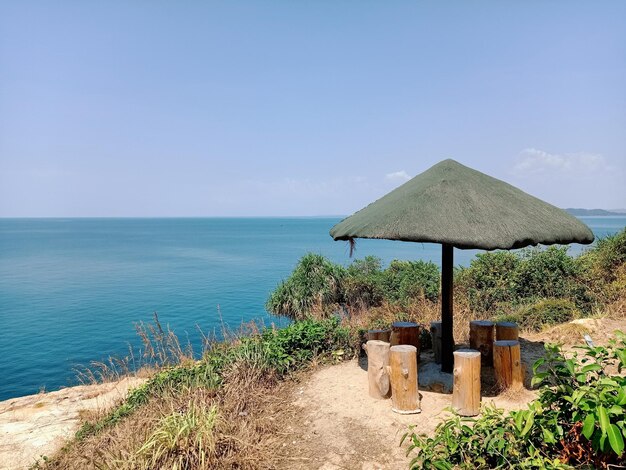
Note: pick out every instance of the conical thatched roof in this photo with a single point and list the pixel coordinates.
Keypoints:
(453, 204)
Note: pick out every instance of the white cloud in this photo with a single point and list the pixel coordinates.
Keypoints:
(398, 176)
(532, 161)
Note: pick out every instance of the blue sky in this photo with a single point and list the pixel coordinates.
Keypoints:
(303, 108)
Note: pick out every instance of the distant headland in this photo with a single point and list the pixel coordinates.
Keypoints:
(592, 212)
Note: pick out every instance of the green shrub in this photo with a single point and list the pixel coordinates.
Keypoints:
(495, 282)
(604, 267)
(502, 280)
(489, 280)
(578, 420)
(314, 283)
(363, 283)
(550, 273)
(581, 408)
(319, 286)
(491, 441)
(407, 280)
(293, 346)
(608, 254)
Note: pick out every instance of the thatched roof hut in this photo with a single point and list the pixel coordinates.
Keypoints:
(460, 207)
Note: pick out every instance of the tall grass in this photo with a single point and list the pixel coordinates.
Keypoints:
(182, 439)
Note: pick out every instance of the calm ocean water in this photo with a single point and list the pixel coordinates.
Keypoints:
(72, 289)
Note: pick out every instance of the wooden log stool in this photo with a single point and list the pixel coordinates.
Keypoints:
(403, 332)
(435, 333)
(377, 373)
(466, 388)
(507, 363)
(380, 335)
(403, 379)
(481, 339)
(507, 330)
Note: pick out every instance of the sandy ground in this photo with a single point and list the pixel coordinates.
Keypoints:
(339, 426)
(38, 425)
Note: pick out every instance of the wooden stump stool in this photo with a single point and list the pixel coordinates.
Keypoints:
(377, 373)
(403, 332)
(435, 333)
(403, 378)
(380, 335)
(481, 339)
(466, 388)
(507, 363)
(507, 330)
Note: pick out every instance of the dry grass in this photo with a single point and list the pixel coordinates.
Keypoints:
(188, 428)
(616, 308)
(421, 310)
(191, 429)
(161, 348)
(565, 333)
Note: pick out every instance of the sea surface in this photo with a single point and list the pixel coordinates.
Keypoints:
(71, 290)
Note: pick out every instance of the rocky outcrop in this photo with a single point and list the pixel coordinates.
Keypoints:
(39, 425)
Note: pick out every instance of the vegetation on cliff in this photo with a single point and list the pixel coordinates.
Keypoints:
(578, 421)
(534, 286)
(218, 412)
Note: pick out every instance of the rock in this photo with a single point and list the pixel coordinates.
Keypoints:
(38, 425)
(431, 378)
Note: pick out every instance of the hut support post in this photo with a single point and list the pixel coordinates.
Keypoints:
(447, 337)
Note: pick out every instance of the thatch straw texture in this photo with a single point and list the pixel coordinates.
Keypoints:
(453, 204)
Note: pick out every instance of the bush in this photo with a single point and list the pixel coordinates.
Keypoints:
(495, 282)
(407, 280)
(315, 283)
(363, 284)
(604, 267)
(489, 280)
(318, 286)
(491, 441)
(578, 419)
(293, 346)
(550, 273)
(608, 254)
(502, 280)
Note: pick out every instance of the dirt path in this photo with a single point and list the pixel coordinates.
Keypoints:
(38, 425)
(339, 426)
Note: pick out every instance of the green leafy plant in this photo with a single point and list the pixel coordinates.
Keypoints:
(491, 441)
(315, 283)
(578, 420)
(550, 273)
(582, 404)
(489, 280)
(406, 280)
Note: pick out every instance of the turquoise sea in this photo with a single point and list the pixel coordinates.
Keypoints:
(71, 290)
